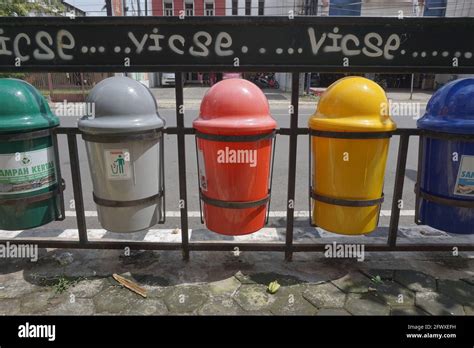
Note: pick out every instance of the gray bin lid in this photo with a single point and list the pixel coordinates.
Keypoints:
(122, 105)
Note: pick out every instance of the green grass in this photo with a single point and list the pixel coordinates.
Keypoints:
(62, 284)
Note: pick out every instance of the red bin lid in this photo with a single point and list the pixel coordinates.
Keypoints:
(234, 107)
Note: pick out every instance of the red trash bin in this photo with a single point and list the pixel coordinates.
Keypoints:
(234, 136)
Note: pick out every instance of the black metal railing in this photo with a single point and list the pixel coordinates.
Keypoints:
(288, 247)
(406, 40)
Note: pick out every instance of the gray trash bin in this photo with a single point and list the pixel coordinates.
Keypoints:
(124, 143)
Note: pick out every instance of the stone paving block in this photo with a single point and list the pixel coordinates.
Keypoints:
(253, 297)
(393, 294)
(10, 306)
(325, 295)
(221, 305)
(244, 278)
(365, 304)
(224, 287)
(353, 282)
(147, 306)
(415, 281)
(185, 299)
(81, 306)
(289, 301)
(155, 291)
(438, 304)
(87, 288)
(469, 310)
(410, 310)
(333, 311)
(36, 302)
(114, 300)
(460, 291)
(119, 300)
(469, 280)
(17, 288)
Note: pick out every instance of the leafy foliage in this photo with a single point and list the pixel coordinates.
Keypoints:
(20, 8)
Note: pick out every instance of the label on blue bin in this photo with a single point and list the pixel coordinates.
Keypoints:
(465, 180)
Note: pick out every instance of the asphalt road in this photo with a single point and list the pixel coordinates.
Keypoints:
(279, 193)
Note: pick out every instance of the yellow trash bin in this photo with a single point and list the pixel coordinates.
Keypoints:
(349, 135)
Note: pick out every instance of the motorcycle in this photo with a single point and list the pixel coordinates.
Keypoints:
(266, 81)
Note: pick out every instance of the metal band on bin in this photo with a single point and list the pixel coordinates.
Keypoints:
(235, 138)
(124, 204)
(32, 199)
(27, 135)
(149, 134)
(447, 136)
(346, 202)
(443, 200)
(234, 205)
(350, 135)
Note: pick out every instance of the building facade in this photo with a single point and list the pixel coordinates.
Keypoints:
(263, 7)
(188, 7)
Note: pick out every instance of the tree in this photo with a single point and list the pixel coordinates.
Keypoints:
(19, 8)
(27, 7)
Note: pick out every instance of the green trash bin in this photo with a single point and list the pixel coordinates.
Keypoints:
(30, 180)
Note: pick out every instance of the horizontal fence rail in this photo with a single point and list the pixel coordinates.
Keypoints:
(288, 247)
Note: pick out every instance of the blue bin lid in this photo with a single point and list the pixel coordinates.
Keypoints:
(451, 108)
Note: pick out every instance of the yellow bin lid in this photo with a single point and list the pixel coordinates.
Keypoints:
(353, 104)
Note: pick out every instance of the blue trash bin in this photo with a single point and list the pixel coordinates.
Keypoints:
(446, 179)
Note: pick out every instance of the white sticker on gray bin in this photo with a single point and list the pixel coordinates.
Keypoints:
(118, 164)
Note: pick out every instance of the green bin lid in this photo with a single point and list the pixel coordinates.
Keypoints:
(23, 108)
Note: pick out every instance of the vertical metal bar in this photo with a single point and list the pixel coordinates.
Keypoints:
(421, 142)
(198, 178)
(310, 180)
(290, 210)
(398, 189)
(50, 86)
(82, 86)
(183, 204)
(411, 86)
(270, 181)
(59, 177)
(162, 180)
(77, 188)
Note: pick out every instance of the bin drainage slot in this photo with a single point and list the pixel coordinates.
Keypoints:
(234, 205)
(123, 204)
(346, 202)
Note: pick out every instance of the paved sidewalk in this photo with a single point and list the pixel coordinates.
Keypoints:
(79, 282)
